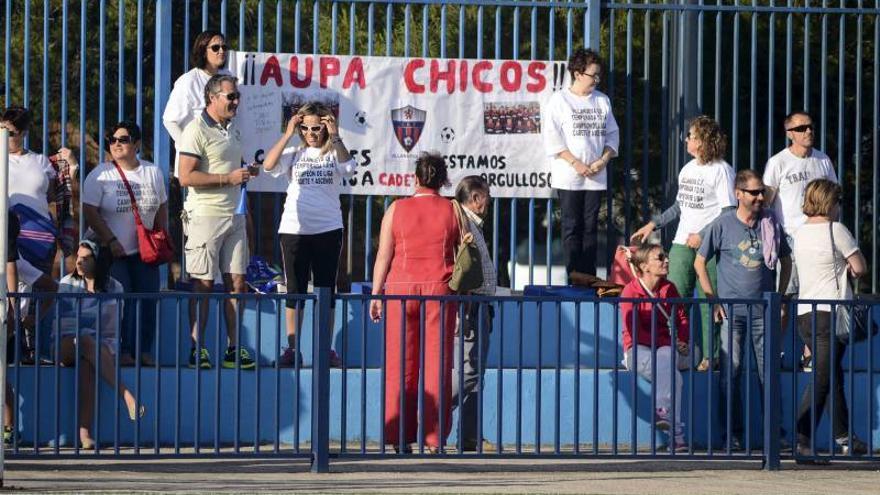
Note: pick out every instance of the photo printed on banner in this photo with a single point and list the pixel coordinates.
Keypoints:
(512, 118)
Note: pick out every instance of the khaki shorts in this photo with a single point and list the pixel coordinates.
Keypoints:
(215, 245)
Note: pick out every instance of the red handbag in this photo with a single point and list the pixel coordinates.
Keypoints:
(154, 244)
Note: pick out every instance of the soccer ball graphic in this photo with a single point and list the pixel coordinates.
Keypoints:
(407, 142)
(447, 135)
(360, 118)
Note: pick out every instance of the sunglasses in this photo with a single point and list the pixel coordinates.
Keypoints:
(313, 128)
(662, 257)
(120, 139)
(754, 192)
(235, 95)
(801, 128)
(13, 132)
(217, 48)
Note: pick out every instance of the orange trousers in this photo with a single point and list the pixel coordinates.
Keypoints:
(403, 342)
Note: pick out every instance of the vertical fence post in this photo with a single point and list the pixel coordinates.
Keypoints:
(593, 29)
(4, 329)
(162, 87)
(321, 335)
(772, 406)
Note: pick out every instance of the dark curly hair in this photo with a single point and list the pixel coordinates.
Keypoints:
(582, 58)
(20, 117)
(431, 171)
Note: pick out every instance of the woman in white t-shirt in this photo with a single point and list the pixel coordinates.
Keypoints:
(87, 327)
(580, 136)
(311, 224)
(108, 212)
(705, 189)
(832, 254)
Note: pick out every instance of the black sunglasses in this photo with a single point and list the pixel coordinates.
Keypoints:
(314, 128)
(235, 95)
(754, 192)
(801, 128)
(216, 48)
(120, 139)
(662, 257)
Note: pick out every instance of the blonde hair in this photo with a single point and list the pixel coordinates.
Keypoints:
(820, 197)
(713, 141)
(643, 255)
(321, 110)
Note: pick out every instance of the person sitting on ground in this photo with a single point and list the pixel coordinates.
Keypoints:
(646, 324)
(91, 333)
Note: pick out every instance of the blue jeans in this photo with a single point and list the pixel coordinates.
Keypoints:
(733, 329)
(137, 277)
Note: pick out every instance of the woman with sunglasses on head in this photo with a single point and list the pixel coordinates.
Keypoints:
(87, 329)
(108, 212)
(832, 254)
(705, 189)
(647, 324)
(311, 224)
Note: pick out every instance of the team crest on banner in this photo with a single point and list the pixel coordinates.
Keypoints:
(408, 123)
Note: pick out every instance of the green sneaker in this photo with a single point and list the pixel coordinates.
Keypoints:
(244, 359)
(204, 359)
(8, 435)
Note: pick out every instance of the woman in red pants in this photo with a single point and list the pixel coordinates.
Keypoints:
(415, 258)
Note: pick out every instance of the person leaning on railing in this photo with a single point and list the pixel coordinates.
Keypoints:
(310, 230)
(648, 327)
(417, 242)
(831, 258)
(705, 190)
(88, 327)
(108, 212)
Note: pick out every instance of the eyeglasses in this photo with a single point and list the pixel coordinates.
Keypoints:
(662, 257)
(754, 192)
(120, 139)
(754, 241)
(313, 128)
(235, 95)
(596, 77)
(217, 48)
(801, 128)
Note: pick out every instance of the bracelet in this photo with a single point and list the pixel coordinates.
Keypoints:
(336, 140)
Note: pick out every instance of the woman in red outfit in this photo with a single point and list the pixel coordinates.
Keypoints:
(415, 258)
(652, 267)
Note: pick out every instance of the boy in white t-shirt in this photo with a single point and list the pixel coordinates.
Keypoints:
(580, 136)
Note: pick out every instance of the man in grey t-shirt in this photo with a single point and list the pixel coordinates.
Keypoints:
(747, 243)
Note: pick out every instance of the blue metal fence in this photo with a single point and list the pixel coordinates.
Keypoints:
(745, 63)
(553, 385)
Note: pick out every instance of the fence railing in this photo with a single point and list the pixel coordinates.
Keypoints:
(745, 63)
(544, 377)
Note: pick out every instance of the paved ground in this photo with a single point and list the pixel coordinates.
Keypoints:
(437, 476)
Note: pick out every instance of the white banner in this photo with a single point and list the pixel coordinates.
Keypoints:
(483, 116)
